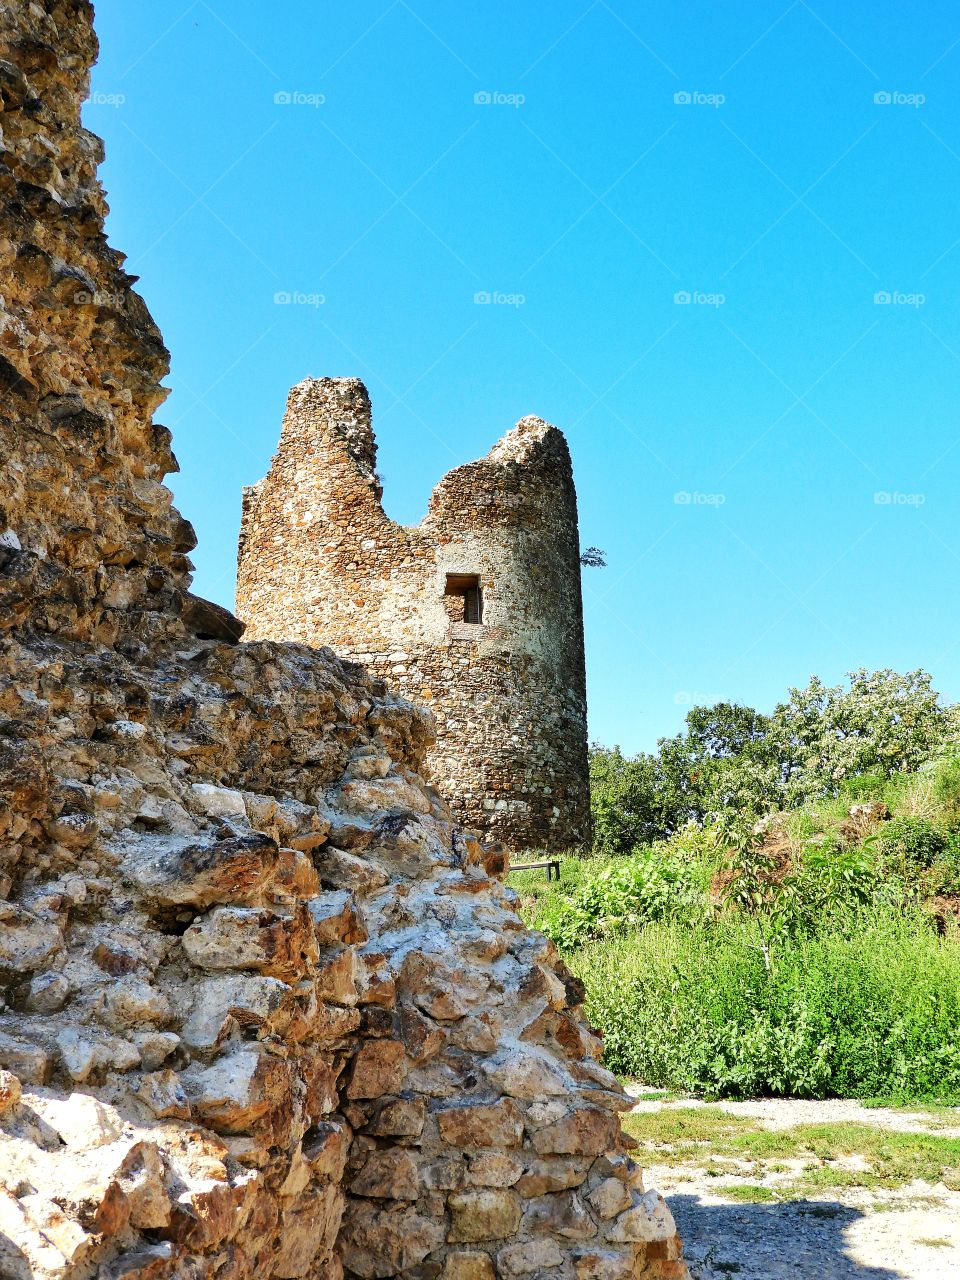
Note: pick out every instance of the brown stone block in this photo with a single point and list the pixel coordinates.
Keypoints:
(484, 1214)
(171, 871)
(468, 1266)
(422, 1037)
(308, 1232)
(379, 1068)
(387, 1175)
(375, 1243)
(399, 1118)
(586, 1131)
(496, 1125)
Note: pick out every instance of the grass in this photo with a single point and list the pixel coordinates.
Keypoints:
(833, 1156)
(540, 896)
(749, 1193)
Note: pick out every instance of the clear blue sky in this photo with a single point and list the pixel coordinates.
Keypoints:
(782, 411)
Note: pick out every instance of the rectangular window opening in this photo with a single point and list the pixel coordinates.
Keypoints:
(465, 589)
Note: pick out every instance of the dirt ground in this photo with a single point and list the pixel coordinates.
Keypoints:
(911, 1232)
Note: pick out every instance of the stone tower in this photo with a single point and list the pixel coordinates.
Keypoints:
(475, 612)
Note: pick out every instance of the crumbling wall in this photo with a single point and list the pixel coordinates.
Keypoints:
(264, 1012)
(321, 562)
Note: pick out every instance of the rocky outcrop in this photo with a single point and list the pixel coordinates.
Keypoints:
(264, 1012)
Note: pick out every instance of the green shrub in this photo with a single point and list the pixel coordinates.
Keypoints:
(911, 845)
(946, 790)
(943, 877)
(862, 1009)
(620, 895)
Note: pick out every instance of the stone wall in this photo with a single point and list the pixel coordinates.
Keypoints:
(264, 1011)
(320, 562)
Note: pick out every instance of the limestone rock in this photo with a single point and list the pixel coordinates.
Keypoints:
(468, 1266)
(497, 1125)
(376, 1243)
(179, 871)
(483, 1214)
(528, 1257)
(379, 1068)
(389, 1175)
(649, 1219)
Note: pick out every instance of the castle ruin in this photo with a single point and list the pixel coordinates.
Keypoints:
(476, 612)
(266, 1013)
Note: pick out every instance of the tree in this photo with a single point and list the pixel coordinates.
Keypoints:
(884, 723)
(732, 760)
(593, 558)
(626, 799)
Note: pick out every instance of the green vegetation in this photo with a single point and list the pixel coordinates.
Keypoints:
(732, 759)
(785, 921)
(821, 1156)
(867, 1007)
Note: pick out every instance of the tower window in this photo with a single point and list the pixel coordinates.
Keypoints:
(465, 596)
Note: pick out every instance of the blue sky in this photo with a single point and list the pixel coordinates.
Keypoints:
(772, 466)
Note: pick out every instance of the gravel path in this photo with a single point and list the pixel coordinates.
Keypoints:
(911, 1233)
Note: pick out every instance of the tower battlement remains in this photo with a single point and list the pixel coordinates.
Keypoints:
(476, 612)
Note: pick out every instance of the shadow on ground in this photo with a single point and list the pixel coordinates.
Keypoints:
(799, 1239)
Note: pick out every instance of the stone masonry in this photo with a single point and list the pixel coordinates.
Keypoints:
(476, 612)
(265, 1011)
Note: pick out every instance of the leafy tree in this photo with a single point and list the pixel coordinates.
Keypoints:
(884, 723)
(627, 802)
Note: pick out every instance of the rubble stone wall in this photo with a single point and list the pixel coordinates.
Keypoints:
(264, 1011)
(321, 562)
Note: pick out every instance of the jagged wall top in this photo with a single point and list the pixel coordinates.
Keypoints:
(81, 360)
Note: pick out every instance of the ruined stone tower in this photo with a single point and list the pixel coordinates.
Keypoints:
(475, 612)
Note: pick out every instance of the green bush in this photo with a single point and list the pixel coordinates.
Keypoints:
(911, 845)
(650, 885)
(862, 1009)
(946, 789)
